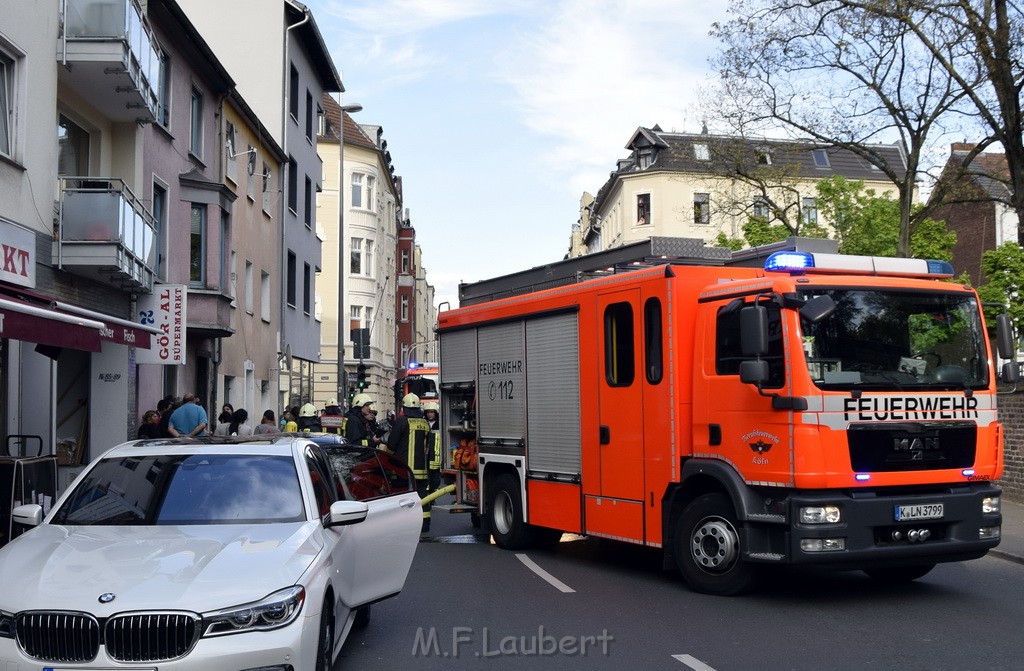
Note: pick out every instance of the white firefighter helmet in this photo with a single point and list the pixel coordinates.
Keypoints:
(430, 404)
(410, 401)
(308, 410)
(362, 399)
(331, 401)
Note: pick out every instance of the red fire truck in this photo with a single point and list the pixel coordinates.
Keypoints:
(736, 410)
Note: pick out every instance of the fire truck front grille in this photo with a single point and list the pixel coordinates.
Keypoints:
(881, 448)
(67, 637)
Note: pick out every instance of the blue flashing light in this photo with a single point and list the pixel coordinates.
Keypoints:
(863, 477)
(412, 364)
(789, 261)
(968, 472)
(936, 267)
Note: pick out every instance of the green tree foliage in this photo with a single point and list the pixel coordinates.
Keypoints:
(869, 224)
(1004, 270)
(735, 244)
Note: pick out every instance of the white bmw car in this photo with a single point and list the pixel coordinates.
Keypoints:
(208, 555)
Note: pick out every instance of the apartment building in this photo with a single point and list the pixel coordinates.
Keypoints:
(699, 185)
(79, 87)
(275, 51)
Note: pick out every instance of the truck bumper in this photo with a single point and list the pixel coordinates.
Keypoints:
(870, 535)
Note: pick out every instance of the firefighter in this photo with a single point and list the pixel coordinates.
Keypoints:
(408, 442)
(309, 418)
(332, 419)
(361, 422)
(430, 413)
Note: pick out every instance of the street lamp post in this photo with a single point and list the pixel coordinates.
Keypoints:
(342, 378)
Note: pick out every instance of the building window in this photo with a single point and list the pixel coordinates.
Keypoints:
(293, 185)
(405, 308)
(643, 209)
(195, 138)
(357, 190)
(231, 160)
(160, 215)
(645, 157)
(307, 288)
(197, 267)
(820, 158)
(292, 280)
(250, 169)
(227, 257)
(371, 183)
(759, 209)
(163, 115)
(266, 188)
(309, 115)
(250, 290)
(265, 296)
(763, 157)
(368, 259)
(355, 265)
(405, 261)
(293, 93)
(809, 211)
(308, 213)
(701, 152)
(72, 148)
(9, 69)
(702, 208)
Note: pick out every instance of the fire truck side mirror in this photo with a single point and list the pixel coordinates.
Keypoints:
(754, 330)
(1004, 337)
(754, 371)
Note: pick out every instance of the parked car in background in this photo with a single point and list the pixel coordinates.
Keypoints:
(248, 552)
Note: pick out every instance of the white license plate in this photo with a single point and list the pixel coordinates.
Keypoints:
(920, 511)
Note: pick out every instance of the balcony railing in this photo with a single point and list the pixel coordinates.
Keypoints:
(112, 57)
(103, 231)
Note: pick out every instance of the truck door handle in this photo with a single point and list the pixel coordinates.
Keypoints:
(605, 435)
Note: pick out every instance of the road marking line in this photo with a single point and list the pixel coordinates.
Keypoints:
(552, 580)
(692, 662)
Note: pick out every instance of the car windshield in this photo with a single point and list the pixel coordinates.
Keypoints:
(880, 339)
(186, 489)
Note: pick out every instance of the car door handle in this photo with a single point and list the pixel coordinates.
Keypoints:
(407, 503)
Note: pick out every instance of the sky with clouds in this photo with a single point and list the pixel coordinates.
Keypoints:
(499, 114)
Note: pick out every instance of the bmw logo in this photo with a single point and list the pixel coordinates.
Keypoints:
(106, 597)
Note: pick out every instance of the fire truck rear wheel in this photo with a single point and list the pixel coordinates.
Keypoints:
(508, 527)
(707, 548)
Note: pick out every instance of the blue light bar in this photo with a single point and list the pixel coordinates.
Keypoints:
(863, 477)
(967, 472)
(940, 268)
(789, 261)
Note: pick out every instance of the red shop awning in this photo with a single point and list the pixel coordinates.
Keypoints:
(21, 320)
(114, 329)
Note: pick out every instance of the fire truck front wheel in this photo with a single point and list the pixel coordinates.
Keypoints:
(505, 509)
(707, 548)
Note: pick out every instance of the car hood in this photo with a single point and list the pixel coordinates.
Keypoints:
(197, 568)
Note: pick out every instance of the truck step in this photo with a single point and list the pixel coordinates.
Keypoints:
(456, 508)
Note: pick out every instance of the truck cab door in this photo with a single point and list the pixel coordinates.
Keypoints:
(621, 411)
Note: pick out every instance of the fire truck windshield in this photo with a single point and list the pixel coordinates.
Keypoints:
(897, 339)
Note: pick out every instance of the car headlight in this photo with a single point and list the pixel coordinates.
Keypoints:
(273, 611)
(6, 625)
(820, 515)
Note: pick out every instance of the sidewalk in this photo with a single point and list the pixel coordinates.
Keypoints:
(1011, 546)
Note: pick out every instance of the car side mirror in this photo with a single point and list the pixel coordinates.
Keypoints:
(30, 515)
(344, 513)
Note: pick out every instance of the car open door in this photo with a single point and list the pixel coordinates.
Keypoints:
(374, 555)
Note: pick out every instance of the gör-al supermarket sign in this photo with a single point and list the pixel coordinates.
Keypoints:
(164, 309)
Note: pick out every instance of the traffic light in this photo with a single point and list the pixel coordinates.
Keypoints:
(361, 381)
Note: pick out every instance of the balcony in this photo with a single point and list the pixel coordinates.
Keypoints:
(104, 232)
(111, 58)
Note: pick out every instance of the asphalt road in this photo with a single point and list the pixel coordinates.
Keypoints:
(600, 605)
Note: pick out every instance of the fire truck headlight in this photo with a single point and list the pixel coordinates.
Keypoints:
(820, 515)
(823, 544)
(990, 504)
